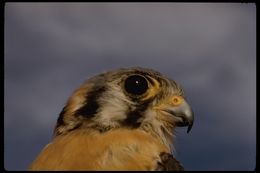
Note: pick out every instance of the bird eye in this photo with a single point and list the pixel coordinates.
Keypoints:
(136, 85)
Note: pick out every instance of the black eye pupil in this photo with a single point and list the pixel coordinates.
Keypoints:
(136, 85)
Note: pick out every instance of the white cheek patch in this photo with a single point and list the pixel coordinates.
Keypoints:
(149, 115)
(150, 118)
(113, 109)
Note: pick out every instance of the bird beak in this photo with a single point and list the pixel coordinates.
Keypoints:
(178, 107)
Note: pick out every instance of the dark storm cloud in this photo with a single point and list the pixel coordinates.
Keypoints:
(51, 48)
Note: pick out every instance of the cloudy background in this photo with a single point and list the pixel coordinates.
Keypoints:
(210, 49)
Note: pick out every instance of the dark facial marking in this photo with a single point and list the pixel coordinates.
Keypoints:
(60, 120)
(135, 115)
(90, 107)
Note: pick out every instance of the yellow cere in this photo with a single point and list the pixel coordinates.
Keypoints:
(176, 100)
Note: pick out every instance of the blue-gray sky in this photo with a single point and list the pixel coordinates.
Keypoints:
(210, 49)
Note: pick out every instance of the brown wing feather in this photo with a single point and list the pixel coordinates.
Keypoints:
(169, 163)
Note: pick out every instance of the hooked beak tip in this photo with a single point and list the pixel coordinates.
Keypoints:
(182, 112)
(186, 117)
(189, 128)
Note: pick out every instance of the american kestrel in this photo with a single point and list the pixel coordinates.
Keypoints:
(118, 120)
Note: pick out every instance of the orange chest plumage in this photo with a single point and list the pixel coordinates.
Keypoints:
(119, 149)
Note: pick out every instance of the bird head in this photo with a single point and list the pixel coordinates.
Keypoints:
(127, 98)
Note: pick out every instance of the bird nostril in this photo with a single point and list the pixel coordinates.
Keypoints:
(175, 100)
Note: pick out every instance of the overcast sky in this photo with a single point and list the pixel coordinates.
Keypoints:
(210, 49)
